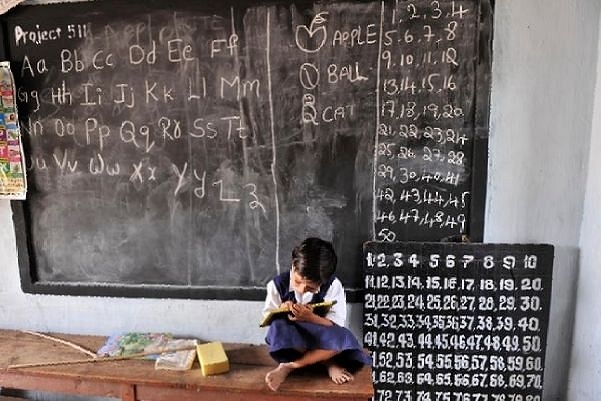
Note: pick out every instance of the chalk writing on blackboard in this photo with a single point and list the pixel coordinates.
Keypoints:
(422, 136)
(457, 321)
(193, 145)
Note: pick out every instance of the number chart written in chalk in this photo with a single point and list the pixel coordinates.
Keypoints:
(447, 321)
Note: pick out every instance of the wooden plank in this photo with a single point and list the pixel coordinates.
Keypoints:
(148, 393)
(134, 380)
(69, 385)
(128, 392)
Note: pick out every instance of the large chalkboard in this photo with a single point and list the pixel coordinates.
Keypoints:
(455, 321)
(183, 148)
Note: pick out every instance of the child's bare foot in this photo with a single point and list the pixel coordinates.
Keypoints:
(339, 375)
(277, 376)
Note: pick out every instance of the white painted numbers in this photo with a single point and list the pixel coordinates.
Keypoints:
(456, 322)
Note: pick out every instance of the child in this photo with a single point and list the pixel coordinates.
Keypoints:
(304, 338)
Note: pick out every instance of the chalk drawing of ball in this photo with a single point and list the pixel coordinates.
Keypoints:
(311, 39)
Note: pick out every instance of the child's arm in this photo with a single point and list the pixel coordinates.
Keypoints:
(272, 299)
(337, 313)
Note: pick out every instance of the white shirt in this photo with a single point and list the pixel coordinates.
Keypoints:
(337, 313)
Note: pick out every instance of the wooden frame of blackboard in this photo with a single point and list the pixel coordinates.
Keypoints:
(480, 144)
(31, 283)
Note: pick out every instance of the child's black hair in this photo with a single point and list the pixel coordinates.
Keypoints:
(314, 259)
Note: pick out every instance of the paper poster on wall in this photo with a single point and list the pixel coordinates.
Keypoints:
(13, 183)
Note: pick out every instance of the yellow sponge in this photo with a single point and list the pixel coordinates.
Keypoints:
(212, 358)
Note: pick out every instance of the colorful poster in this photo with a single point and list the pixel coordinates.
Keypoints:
(13, 182)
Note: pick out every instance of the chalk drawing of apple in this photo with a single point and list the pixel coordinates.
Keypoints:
(311, 39)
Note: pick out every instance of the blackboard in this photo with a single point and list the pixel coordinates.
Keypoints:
(457, 321)
(183, 148)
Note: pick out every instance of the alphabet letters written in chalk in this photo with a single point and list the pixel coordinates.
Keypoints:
(422, 146)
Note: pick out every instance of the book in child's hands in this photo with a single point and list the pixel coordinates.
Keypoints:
(321, 308)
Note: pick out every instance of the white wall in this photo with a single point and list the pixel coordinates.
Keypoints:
(585, 374)
(544, 70)
(544, 73)
(544, 57)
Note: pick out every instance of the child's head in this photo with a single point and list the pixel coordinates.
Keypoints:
(313, 262)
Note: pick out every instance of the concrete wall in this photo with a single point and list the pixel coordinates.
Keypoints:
(544, 76)
(585, 372)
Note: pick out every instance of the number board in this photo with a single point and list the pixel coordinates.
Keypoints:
(457, 321)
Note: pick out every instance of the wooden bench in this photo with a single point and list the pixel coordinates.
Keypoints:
(133, 380)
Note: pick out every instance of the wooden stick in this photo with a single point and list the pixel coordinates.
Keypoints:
(65, 342)
(103, 359)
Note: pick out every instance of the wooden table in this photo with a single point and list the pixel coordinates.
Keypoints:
(133, 380)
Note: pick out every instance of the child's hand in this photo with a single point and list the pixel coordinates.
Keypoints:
(287, 305)
(301, 313)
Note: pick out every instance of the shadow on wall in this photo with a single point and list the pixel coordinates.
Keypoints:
(561, 323)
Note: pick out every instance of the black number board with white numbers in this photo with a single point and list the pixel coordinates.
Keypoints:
(457, 321)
